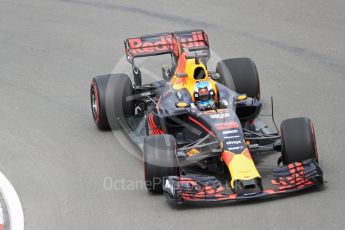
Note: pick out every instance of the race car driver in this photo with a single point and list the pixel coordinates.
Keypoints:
(204, 96)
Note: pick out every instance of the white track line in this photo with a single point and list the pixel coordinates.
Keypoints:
(14, 207)
(2, 220)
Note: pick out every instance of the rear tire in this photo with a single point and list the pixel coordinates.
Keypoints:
(159, 161)
(108, 95)
(240, 75)
(298, 140)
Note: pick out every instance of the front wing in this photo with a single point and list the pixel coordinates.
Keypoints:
(291, 178)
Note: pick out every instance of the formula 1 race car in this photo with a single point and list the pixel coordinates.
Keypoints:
(200, 130)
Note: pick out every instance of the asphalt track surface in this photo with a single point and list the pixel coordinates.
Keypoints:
(57, 160)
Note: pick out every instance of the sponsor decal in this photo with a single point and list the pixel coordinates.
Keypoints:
(219, 115)
(231, 137)
(227, 125)
(235, 148)
(233, 131)
(195, 41)
(164, 43)
(234, 142)
(213, 112)
(138, 46)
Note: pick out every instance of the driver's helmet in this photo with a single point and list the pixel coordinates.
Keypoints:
(204, 95)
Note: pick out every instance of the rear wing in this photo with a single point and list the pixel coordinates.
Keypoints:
(165, 43)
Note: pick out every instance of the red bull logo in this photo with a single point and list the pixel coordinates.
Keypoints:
(165, 43)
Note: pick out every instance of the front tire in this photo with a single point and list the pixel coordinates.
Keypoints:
(109, 94)
(240, 75)
(298, 140)
(159, 161)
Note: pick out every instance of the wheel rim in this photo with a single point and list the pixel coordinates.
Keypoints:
(94, 103)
